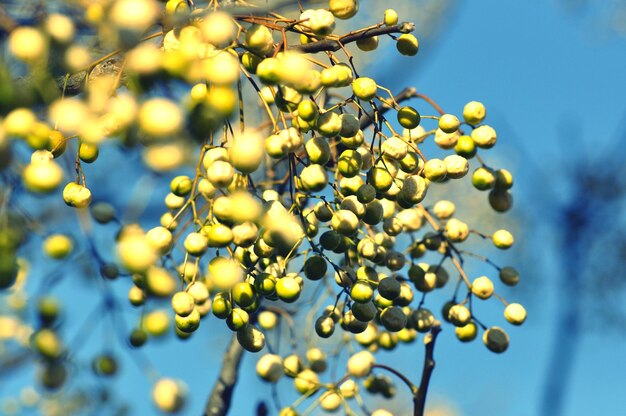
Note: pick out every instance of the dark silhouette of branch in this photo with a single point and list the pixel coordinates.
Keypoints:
(220, 398)
(332, 45)
(419, 399)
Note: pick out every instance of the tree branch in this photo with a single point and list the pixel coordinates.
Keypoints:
(333, 45)
(368, 119)
(221, 395)
(419, 399)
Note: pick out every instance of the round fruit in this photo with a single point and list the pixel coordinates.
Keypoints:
(466, 333)
(515, 313)
(364, 88)
(482, 287)
(474, 112)
(407, 44)
(502, 239)
(496, 339)
(76, 195)
(360, 364)
(408, 117)
(270, 367)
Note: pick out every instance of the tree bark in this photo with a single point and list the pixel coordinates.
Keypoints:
(220, 398)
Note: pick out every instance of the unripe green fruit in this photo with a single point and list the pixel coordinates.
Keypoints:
(53, 375)
(410, 163)
(435, 170)
(88, 153)
(449, 123)
(360, 364)
(344, 222)
(237, 319)
(504, 179)
(183, 303)
(138, 337)
(349, 125)
(102, 212)
(459, 315)
(315, 267)
(324, 326)
(250, 62)
(361, 292)
(250, 338)
(393, 318)
(76, 195)
(58, 246)
(48, 310)
(364, 312)
(444, 209)
(422, 319)
(456, 166)
(181, 185)
(169, 395)
(268, 71)
(457, 231)
(408, 117)
(330, 240)
(389, 288)
(484, 136)
(343, 9)
(388, 341)
(413, 190)
(222, 306)
(196, 244)
(390, 17)
(509, 276)
(474, 112)
(349, 163)
(467, 332)
(350, 323)
(465, 147)
(288, 289)
(355, 141)
(364, 88)
(47, 344)
(366, 194)
(314, 178)
(306, 381)
(188, 323)
(380, 179)
(446, 140)
(482, 287)
(317, 360)
(330, 401)
(502, 239)
(367, 44)
(515, 313)
(407, 44)
(500, 201)
(104, 365)
(288, 411)
(270, 367)
(483, 179)
(328, 124)
(265, 284)
(496, 339)
(243, 294)
(259, 39)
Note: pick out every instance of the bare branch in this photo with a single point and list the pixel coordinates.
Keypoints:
(332, 45)
(367, 119)
(222, 393)
(429, 365)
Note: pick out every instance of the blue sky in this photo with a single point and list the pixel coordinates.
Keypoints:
(540, 72)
